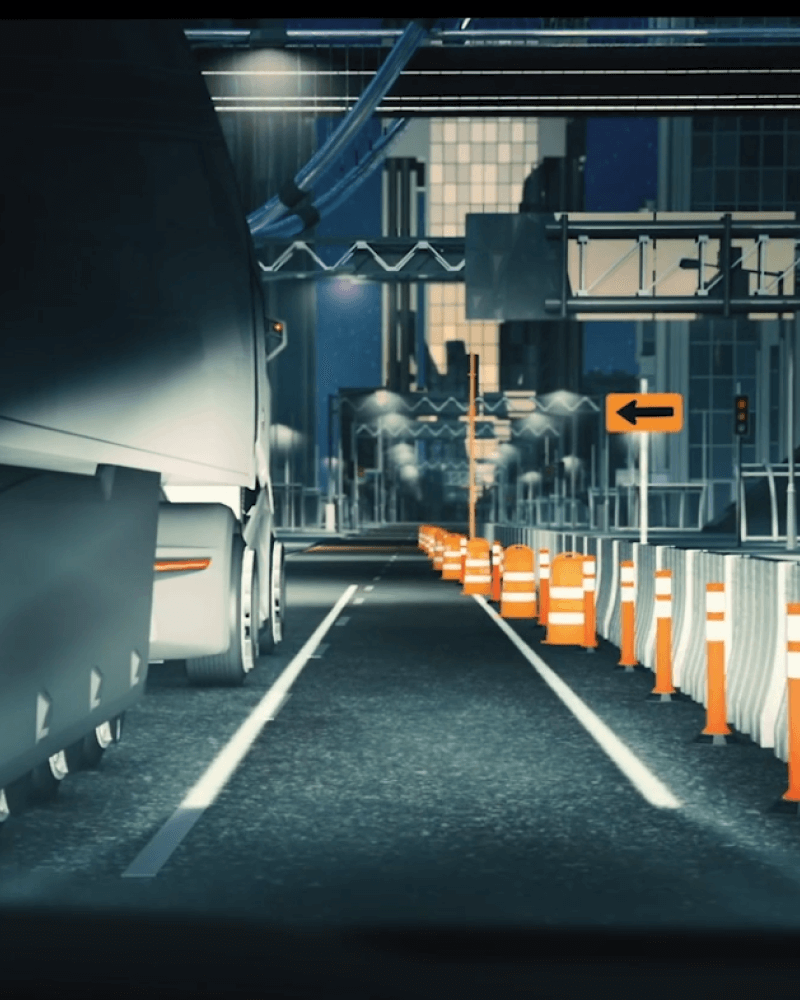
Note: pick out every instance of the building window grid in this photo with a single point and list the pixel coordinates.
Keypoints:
(476, 165)
(721, 354)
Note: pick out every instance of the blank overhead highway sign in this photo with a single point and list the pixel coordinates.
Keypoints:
(657, 412)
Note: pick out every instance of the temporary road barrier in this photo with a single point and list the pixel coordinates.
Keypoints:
(566, 622)
(627, 593)
(478, 577)
(663, 690)
(438, 549)
(717, 731)
(789, 802)
(590, 642)
(518, 590)
(497, 569)
(544, 585)
(424, 532)
(451, 564)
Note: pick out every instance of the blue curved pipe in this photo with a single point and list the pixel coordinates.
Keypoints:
(349, 128)
(341, 191)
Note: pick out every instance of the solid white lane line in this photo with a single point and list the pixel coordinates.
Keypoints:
(152, 857)
(640, 776)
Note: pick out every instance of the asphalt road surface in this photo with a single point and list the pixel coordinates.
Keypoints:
(403, 760)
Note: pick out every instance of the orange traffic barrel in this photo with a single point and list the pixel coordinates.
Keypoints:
(451, 564)
(438, 549)
(518, 588)
(566, 621)
(478, 574)
(425, 534)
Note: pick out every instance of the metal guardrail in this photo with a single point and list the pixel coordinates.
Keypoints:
(757, 470)
(757, 591)
(297, 506)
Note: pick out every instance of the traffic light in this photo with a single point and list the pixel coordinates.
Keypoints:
(742, 416)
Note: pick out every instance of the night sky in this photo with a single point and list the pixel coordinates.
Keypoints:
(620, 175)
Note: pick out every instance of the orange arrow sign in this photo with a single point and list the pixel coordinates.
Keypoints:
(655, 412)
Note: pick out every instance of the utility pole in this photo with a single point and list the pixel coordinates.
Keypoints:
(643, 476)
(791, 510)
(472, 446)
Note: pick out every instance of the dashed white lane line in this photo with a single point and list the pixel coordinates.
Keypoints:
(358, 600)
(641, 777)
(370, 587)
(375, 578)
(152, 858)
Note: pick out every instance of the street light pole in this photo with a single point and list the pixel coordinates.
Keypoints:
(472, 446)
(354, 453)
(791, 510)
(643, 476)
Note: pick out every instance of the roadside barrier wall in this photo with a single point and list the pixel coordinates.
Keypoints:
(757, 591)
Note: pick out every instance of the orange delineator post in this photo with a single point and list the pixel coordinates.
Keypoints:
(544, 585)
(566, 625)
(627, 592)
(497, 561)
(463, 558)
(518, 594)
(478, 577)
(790, 800)
(589, 612)
(717, 730)
(663, 690)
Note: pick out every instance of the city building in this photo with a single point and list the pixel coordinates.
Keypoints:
(722, 164)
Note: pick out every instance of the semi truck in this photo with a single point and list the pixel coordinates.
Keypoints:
(136, 509)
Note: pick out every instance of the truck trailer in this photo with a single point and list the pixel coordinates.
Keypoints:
(136, 508)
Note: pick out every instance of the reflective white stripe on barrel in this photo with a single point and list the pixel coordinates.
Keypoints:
(518, 576)
(566, 593)
(588, 584)
(565, 618)
(519, 597)
(478, 562)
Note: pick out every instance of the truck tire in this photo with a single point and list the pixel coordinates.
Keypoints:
(46, 778)
(86, 754)
(230, 668)
(272, 633)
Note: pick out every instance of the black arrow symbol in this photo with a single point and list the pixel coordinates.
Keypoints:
(630, 413)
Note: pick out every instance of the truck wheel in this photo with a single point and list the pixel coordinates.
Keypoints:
(272, 634)
(46, 778)
(231, 667)
(86, 754)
